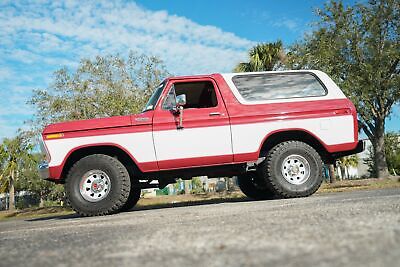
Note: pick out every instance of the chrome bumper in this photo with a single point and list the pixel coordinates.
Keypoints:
(44, 170)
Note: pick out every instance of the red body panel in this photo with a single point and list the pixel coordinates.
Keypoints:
(101, 126)
(232, 113)
(93, 124)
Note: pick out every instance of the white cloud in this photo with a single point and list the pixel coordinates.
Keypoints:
(117, 27)
(39, 37)
(9, 127)
(291, 24)
(5, 73)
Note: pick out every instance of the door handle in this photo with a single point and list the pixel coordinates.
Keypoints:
(215, 114)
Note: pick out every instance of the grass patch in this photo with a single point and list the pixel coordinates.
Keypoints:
(364, 184)
(30, 213)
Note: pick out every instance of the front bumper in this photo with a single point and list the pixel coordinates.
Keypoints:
(358, 149)
(44, 170)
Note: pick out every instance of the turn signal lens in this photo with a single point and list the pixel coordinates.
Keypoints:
(53, 136)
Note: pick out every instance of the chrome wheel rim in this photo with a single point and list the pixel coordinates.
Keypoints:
(295, 169)
(95, 185)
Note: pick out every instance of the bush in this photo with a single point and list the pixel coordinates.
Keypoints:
(197, 186)
(392, 152)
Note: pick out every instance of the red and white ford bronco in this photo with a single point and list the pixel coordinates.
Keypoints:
(273, 130)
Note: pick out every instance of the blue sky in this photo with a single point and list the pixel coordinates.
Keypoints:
(39, 37)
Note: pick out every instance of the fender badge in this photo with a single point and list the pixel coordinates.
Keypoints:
(142, 119)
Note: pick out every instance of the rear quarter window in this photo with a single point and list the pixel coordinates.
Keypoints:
(270, 86)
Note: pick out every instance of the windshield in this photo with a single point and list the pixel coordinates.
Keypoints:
(151, 104)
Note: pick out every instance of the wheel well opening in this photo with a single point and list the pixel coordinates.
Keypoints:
(111, 151)
(295, 135)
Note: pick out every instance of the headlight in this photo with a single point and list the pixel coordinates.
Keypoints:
(43, 149)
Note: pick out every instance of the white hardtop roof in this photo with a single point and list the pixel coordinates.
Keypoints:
(272, 71)
(333, 91)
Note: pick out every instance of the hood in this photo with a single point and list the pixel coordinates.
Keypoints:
(100, 123)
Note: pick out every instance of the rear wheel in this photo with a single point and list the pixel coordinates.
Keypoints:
(253, 187)
(97, 185)
(292, 169)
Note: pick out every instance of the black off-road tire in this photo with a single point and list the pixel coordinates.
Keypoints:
(253, 187)
(271, 170)
(133, 198)
(117, 195)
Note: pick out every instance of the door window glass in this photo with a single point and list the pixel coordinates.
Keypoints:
(198, 95)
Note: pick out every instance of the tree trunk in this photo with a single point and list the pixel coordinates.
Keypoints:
(227, 184)
(332, 176)
(187, 189)
(12, 192)
(339, 172)
(379, 151)
(41, 204)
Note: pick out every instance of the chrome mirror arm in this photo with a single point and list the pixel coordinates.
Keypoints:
(180, 112)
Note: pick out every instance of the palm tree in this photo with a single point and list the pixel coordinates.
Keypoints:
(349, 161)
(263, 57)
(332, 175)
(13, 152)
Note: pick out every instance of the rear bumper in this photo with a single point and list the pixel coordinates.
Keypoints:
(358, 149)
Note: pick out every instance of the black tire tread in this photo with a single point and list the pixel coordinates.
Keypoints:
(267, 166)
(123, 176)
(133, 198)
(251, 190)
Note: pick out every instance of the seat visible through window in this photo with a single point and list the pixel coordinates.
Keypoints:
(198, 94)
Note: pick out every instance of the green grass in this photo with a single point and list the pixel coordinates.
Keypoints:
(362, 184)
(31, 213)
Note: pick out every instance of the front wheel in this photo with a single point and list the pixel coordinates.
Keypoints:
(133, 199)
(97, 185)
(292, 169)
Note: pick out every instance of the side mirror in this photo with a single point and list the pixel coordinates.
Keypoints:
(181, 100)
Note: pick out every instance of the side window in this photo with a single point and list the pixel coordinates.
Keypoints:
(198, 95)
(278, 86)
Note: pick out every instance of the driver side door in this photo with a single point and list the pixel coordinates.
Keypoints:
(205, 136)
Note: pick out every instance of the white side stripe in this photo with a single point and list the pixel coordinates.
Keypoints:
(247, 138)
(207, 141)
(139, 145)
(193, 143)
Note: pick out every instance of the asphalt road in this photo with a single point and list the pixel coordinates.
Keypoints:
(342, 229)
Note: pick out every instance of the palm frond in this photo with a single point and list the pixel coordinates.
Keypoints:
(263, 57)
